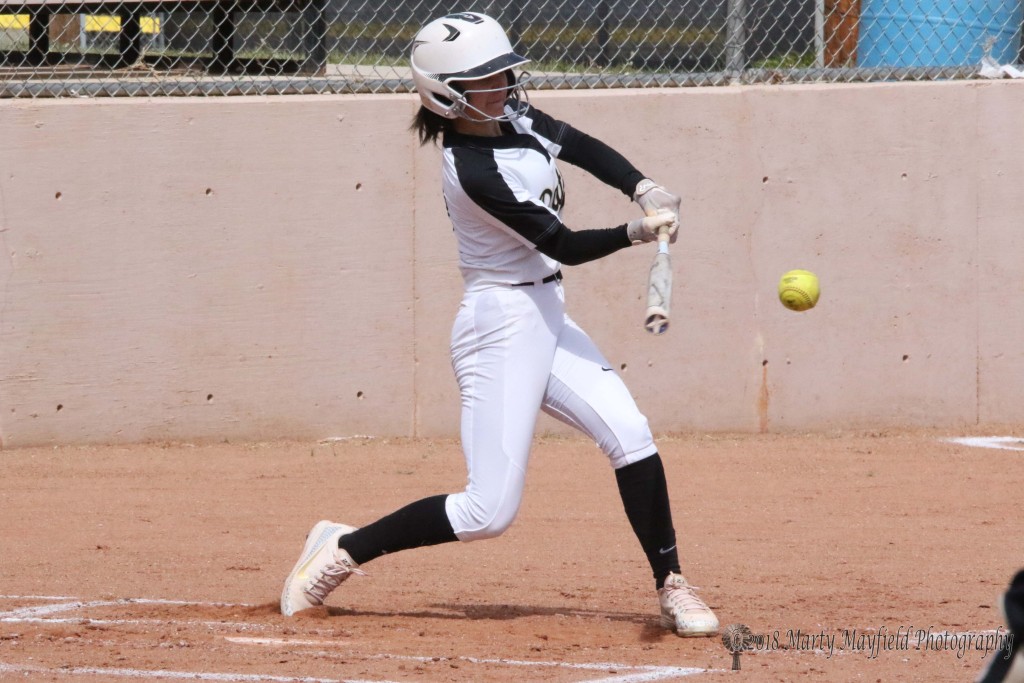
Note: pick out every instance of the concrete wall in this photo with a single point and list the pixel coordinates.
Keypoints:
(247, 268)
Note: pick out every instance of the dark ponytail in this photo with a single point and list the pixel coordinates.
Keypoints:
(429, 126)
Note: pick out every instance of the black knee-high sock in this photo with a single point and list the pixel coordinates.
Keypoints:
(416, 525)
(644, 494)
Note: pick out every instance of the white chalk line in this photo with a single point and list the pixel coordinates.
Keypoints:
(37, 597)
(661, 675)
(144, 601)
(1007, 443)
(164, 673)
(38, 614)
(212, 625)
(71, 603)
(639, 673)
(42, 610)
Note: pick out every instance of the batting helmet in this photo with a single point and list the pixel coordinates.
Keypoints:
(459, 47)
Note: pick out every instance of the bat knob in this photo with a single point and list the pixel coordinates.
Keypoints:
(656, 324)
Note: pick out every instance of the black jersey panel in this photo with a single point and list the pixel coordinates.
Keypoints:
(589, 153)
(479, 176)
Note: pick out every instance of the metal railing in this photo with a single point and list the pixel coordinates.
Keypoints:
(211, 47)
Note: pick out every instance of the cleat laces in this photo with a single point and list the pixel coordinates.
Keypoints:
(329, 578)
(681, 599)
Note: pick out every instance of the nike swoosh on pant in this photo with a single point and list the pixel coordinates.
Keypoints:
(665, 551)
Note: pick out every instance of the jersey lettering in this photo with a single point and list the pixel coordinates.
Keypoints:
(555, 198)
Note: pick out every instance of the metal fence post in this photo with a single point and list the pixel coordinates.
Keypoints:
(735, 38)
(819, 33)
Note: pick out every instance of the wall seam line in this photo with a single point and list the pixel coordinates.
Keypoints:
(415, 300)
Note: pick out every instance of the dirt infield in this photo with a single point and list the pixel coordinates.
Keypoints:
(166, 561)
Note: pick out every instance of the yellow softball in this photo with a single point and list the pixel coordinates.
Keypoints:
(799, 290)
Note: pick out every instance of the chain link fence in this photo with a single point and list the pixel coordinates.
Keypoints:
(237, 47)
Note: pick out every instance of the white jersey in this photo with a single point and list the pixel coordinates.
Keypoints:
(505, 195)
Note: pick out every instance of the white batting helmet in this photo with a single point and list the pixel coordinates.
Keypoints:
(458, 47)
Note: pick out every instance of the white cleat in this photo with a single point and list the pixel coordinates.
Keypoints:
(321, 568)
(683, 612)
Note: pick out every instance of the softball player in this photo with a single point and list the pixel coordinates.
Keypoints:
(514, 350)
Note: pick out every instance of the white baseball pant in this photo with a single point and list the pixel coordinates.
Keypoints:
(515, 352)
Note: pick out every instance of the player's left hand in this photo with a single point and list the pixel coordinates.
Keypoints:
(647, 229)
(652, 198)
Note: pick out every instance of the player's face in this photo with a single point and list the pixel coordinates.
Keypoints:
(488, 95)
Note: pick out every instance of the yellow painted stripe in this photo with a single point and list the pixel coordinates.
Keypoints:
(94, 23)
(14, 22)
(98, 23)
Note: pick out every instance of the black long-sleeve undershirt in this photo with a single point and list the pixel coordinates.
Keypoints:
(599, 160)
(574, 247)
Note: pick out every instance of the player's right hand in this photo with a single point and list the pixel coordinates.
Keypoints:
(647, 229)
(653, 197)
